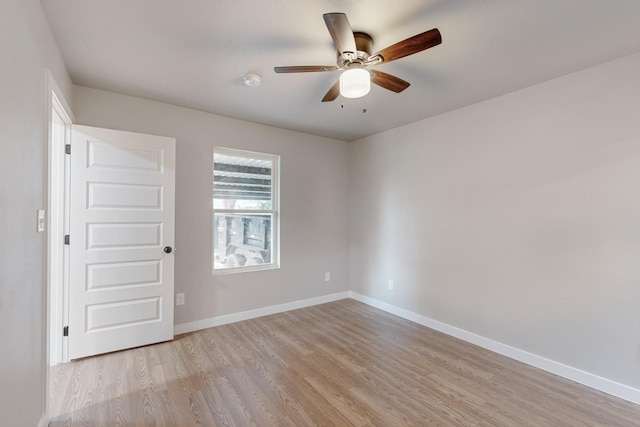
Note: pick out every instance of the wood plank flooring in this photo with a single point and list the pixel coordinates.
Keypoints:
(337, 364)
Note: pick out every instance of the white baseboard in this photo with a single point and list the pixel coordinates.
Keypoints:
(183, 328)
(590, 380)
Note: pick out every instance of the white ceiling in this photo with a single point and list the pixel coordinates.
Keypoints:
(194, 53)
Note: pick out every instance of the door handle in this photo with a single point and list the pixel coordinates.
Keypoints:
(167, 249)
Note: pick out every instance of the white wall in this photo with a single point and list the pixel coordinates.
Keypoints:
(27, 48)
(517, 219)
(314, 203)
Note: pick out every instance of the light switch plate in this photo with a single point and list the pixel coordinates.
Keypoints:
(41, 220)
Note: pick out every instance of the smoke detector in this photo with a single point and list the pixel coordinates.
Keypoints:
(252, 80)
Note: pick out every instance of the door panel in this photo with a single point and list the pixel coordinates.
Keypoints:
(122, 217)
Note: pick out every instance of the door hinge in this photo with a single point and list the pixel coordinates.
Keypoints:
(65, 331)
(66, 239)
(67, 149)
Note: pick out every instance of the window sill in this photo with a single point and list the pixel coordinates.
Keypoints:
(236, 270)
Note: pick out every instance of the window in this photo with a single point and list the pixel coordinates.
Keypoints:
(245, 211)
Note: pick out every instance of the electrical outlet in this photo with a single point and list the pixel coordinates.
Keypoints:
(327, 276)
(390, 285)
(180, 299)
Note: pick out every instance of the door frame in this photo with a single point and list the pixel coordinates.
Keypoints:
(57, 185)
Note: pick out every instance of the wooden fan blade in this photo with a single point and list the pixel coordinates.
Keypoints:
(387, 81)
(304, 68)
(340, 31)
(412, 45)
(333, 92)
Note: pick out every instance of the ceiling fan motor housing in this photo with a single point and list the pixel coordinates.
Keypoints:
(364, 47)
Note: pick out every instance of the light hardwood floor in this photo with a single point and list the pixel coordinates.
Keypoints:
(337, 364)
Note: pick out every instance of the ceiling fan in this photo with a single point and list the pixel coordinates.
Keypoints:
(354, 58)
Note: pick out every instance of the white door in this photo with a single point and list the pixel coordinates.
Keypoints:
(120, 240)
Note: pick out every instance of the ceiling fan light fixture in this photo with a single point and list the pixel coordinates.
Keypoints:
(355, 83)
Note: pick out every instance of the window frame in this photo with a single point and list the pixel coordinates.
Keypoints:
(274, 211)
